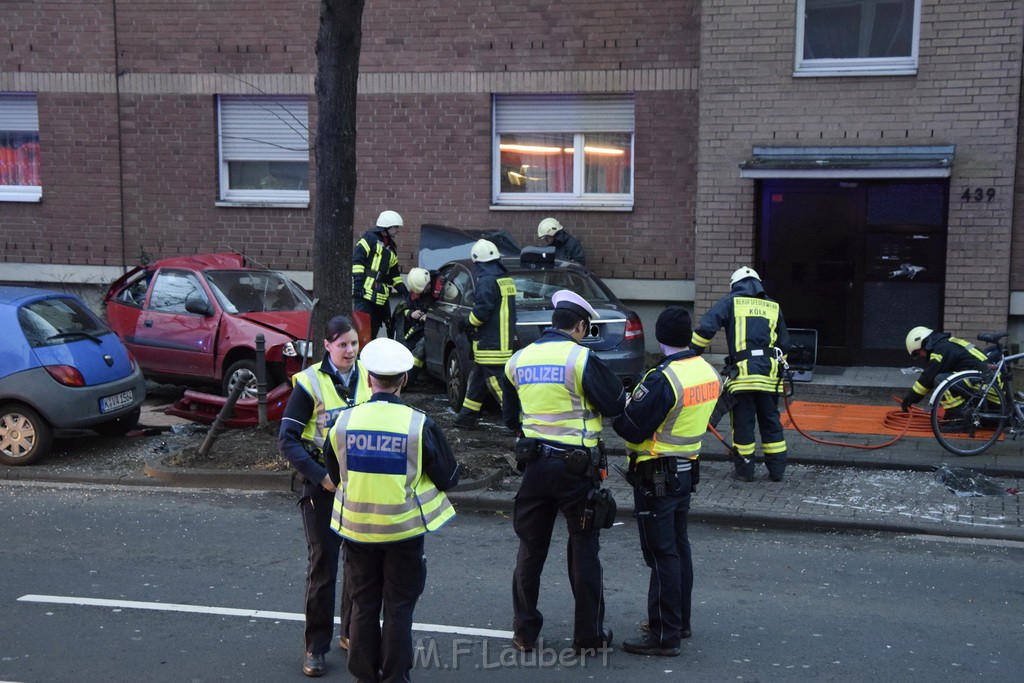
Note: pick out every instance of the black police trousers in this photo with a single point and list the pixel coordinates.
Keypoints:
(547, 489)
(323, 547)
(388, 576)
(666, 547)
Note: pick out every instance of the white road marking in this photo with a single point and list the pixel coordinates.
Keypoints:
(236, 612)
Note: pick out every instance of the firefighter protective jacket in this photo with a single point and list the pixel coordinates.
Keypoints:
(668, 412)
(493, 314)
(754, 328)
(391, 464)
(375, 269)
(946, 354)
(557, 390)
(568, 248)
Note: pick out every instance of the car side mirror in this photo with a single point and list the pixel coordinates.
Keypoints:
(198, 305)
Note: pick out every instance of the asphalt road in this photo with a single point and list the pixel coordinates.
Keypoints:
(201, 585)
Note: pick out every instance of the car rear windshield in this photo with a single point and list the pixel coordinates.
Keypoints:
(542, 283)
(254, 291)
(51, 322)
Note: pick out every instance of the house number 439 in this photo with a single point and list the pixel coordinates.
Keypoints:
(978, 194)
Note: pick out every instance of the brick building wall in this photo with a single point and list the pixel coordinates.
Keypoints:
(424, 120)
(966, 92)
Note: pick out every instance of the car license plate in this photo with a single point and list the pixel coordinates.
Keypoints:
(111, 403)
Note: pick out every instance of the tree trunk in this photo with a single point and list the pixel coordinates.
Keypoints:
(337, 51)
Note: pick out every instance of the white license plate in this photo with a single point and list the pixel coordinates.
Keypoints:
(111, 403)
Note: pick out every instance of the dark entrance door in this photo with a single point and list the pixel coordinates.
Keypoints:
(860, 261)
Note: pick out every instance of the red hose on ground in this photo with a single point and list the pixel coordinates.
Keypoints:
(892, 421)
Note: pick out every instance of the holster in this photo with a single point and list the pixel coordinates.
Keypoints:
(599, 511)
(527, 450)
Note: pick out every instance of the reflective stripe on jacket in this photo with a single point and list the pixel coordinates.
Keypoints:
(328, 403)
(754, 327)
(384, 496)
(493, 314)
(374, 269)
(695, 386)
(548, 377)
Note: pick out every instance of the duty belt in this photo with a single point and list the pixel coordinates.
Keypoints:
(546, 450)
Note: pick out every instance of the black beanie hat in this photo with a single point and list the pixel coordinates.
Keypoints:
(673, 327)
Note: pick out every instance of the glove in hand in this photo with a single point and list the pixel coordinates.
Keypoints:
(907, 402)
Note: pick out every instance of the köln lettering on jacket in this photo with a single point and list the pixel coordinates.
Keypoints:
(701, 393)
(376, 452)
(750, 307)
(540, 374)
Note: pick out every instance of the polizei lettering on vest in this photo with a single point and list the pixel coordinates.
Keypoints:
(375, 442)
(541, 374)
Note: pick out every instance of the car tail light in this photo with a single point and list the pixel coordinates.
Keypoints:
(634, 328)
(131, 360)
(67, 375)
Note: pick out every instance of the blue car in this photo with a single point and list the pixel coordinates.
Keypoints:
(60, 368)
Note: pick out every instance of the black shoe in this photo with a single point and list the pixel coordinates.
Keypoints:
(646, 628)
(775, 477)
(313, 666)
(343, 642)
(591, 646)
(466, 419)
(519, 643)
(649, 645)
(742, 477)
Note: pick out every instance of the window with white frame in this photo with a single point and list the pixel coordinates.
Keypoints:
(20, 180)
(264, 150)
(857, 37)
(563, 151)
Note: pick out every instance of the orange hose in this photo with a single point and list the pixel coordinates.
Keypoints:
(910, 420)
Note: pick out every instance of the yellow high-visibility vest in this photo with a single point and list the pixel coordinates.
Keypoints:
(696, 387)
(384, 496)
(328, 404)
(548, 377)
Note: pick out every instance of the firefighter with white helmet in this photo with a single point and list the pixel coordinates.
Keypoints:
(945, 355)
(375, 272)
(567, 248)
(492, 324)
(425, 288)
(757, 338)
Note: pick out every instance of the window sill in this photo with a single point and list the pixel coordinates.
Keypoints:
(24, 194)
(561, 207)
(250, 204)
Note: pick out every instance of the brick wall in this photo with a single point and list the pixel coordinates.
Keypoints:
(966, 93)
(74, 36)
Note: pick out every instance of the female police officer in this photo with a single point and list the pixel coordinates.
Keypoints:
(320, 393)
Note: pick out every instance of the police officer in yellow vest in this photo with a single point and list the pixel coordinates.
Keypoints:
(663, 423)
(556, 391)
(391, 464)
(319, 394)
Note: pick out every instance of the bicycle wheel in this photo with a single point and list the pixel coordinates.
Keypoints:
(971, 427)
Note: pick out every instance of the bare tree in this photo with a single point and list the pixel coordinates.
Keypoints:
(337, 52)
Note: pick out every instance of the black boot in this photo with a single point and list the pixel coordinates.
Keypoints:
(466, 419)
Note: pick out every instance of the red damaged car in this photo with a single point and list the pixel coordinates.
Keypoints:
(193, 320)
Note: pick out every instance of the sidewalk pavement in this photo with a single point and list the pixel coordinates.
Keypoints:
(826, 487)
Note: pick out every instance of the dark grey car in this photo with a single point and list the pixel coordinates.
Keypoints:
(617, 336)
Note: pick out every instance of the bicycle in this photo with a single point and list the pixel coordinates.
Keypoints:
(987, 406)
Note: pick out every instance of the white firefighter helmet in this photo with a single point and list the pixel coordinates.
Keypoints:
(916, 337)
(742, 274)
(484, 251)
(548, 227)
(418, 280)
(389, 219)
(384, 356)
